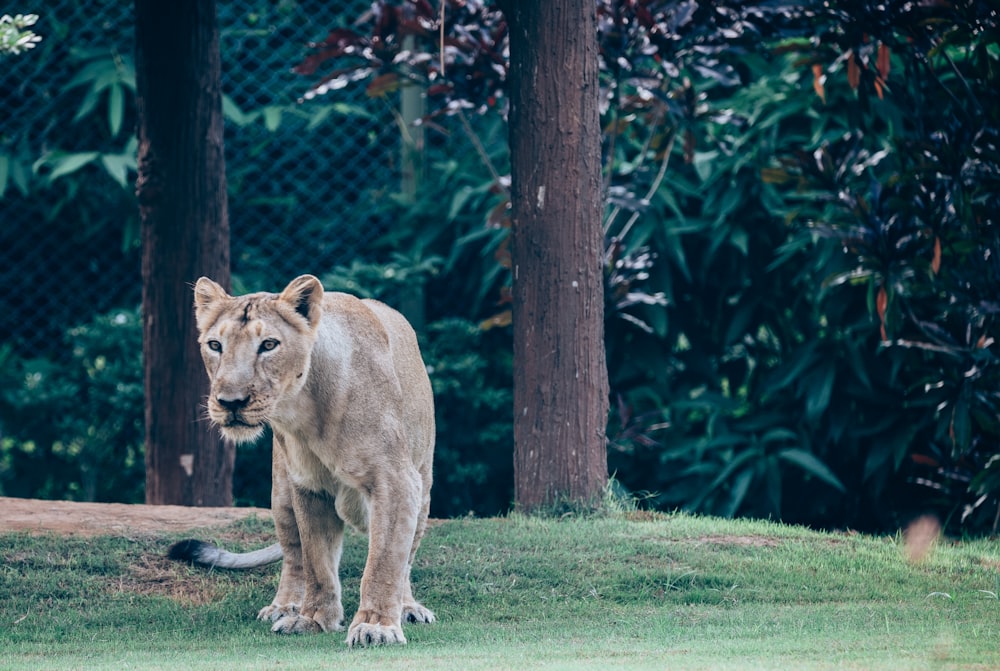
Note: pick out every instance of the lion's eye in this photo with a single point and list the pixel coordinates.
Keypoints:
(215, 345)
(268, 345)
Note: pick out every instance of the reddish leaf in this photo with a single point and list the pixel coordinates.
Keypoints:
(818, 79)
(883, 61)
(499, 216)
(310, 64)
(383, 84)
(506, 296)
(881, 303)
(936, 261)
(335, 45)
(339, 36)
(440, 89)
(688, 146)
(502, 254)
(853, 72)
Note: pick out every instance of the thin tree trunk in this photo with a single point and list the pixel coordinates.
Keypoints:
(560, 376)
(181, 190)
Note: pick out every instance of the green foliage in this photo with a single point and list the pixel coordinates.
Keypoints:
(51, 186)
(69, 239)
(108, 79)
(388, 282)
(913, 202)
(75, 431)
(107, 109)
(701, 429)
(471, 374)
(703, 418)
(782, 397)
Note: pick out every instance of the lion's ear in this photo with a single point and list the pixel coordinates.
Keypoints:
(305, 294)
(206, 294)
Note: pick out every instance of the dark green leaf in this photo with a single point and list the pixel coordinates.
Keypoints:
(811, 465)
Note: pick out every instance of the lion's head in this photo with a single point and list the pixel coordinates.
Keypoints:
(256, 349)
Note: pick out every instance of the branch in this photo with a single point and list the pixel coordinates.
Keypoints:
(481, 150)
(649, 194)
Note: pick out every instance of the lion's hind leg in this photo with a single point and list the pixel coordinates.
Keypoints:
(413, 610)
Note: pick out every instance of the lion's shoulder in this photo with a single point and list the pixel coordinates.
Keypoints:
(367, 322)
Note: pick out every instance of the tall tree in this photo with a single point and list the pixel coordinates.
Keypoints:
(560, 379)
(181, 190)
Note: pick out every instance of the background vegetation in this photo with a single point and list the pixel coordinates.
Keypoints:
(801, 255)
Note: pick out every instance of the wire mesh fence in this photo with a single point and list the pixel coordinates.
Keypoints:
(305, 179)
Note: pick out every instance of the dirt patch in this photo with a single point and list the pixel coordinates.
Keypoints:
(152, 575)
(748, 541)
(115, 519)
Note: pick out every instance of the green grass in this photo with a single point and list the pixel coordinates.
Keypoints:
(670, 592)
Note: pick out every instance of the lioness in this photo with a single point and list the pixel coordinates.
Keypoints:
(345, 391)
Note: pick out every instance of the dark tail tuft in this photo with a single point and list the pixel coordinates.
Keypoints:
(189, 550)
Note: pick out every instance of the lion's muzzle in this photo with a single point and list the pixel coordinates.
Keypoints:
(230, 414)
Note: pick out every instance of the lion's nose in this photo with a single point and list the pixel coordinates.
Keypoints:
(233, 404)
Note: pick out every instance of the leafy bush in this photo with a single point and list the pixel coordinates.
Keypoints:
(710, 426)
(471, 374)
(911, 192)
(75, 431)
(857, 342)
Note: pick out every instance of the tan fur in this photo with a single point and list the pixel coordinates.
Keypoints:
(345, 391)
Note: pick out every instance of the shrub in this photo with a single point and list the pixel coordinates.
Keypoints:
(910, 191)
(75, 431)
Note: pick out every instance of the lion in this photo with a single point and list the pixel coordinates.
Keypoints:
(342, 384)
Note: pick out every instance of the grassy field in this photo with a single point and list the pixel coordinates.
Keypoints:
(630, 592)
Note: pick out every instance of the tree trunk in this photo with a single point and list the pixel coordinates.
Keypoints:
(181, 191)
(560, 372)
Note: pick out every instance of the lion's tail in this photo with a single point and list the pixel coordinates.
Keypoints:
(206, 554)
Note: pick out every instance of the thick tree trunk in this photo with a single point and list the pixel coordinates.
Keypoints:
(560, 375)
(181, 190)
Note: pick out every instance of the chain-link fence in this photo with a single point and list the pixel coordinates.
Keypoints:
(305, 180)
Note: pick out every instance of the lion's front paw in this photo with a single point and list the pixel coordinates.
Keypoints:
(414, 612)
(300, 623)
(374, 634)
(369, 628)
(296, 624)
(275, 612)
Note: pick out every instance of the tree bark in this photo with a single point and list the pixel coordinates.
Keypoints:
(560, 372)
(181, 189)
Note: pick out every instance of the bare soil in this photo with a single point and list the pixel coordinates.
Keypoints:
(96, 519)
